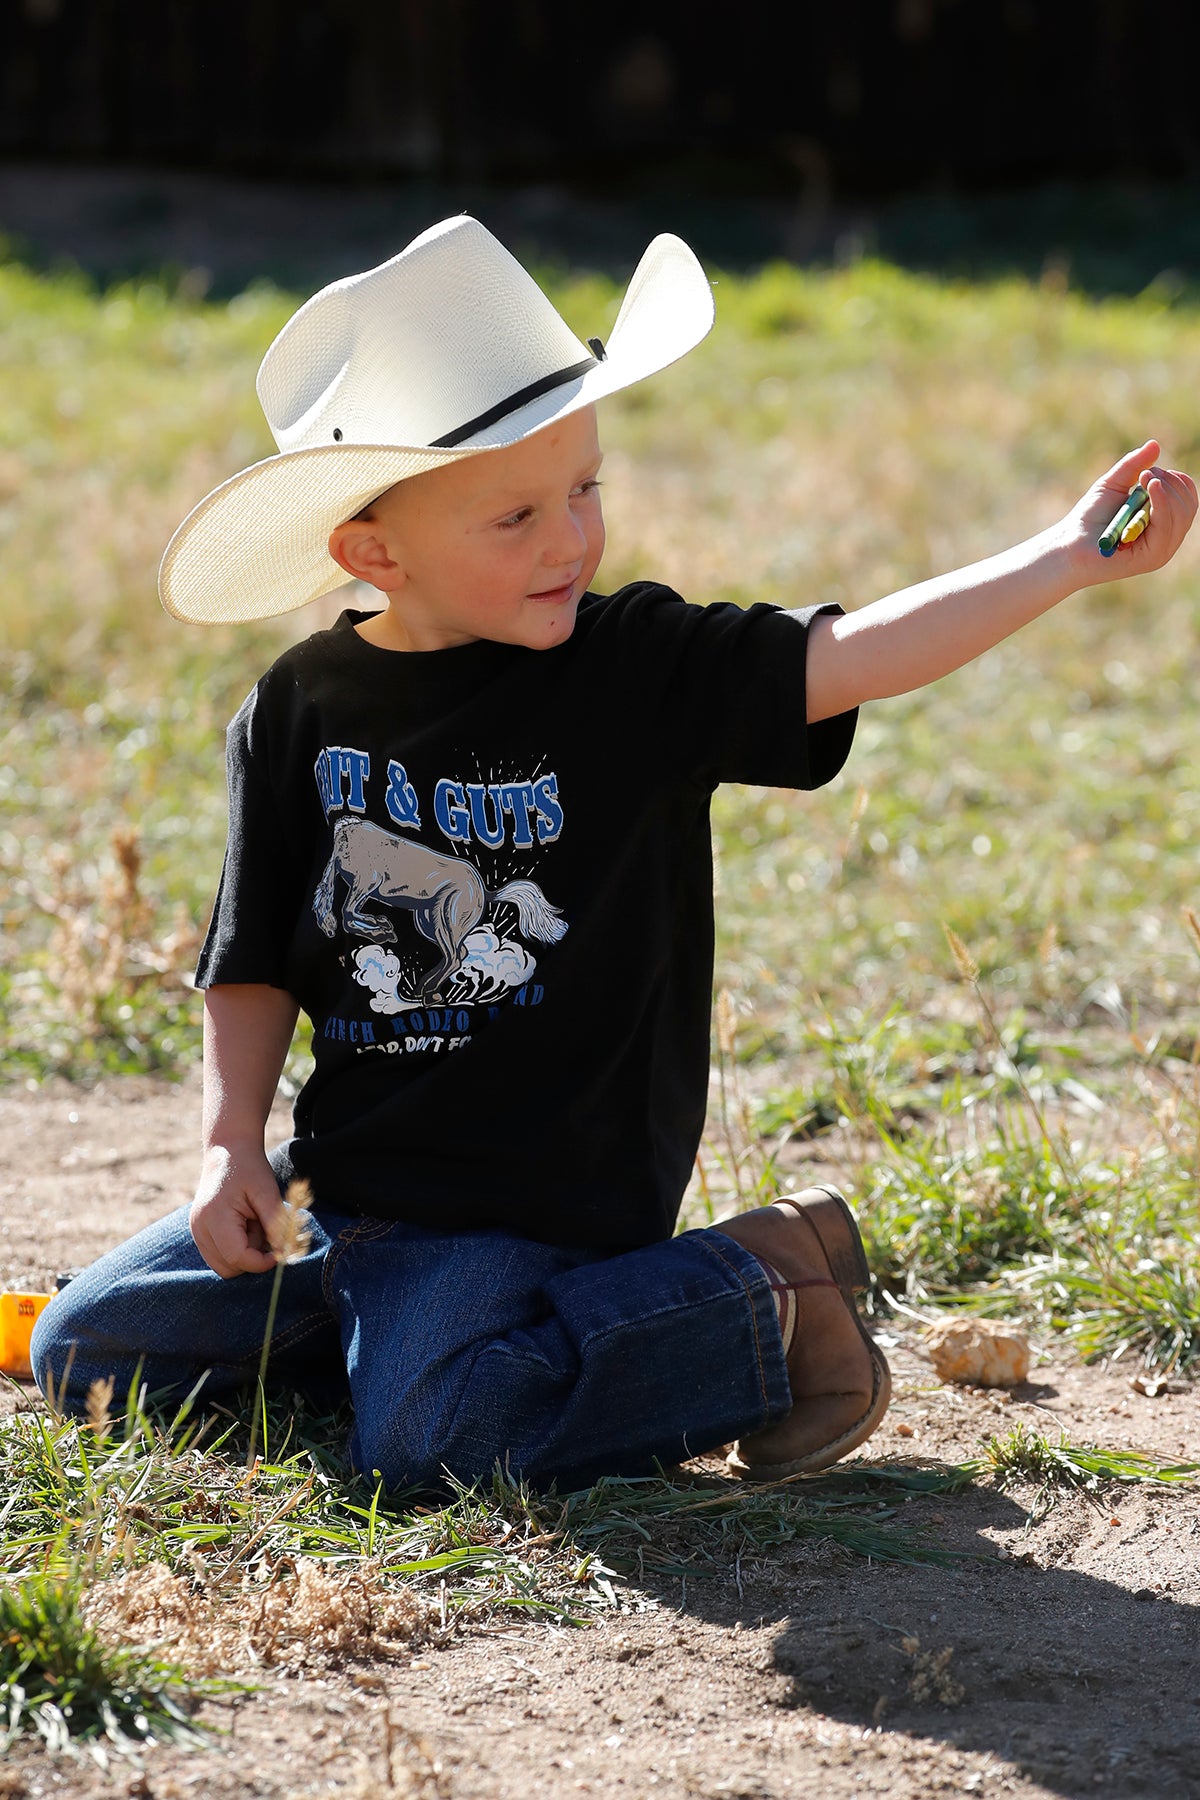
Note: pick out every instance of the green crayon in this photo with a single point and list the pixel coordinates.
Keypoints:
(1134, 501)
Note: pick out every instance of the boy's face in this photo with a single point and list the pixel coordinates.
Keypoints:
(500, 546)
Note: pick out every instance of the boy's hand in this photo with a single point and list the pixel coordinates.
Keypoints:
(1172, 509)
(236, 1213)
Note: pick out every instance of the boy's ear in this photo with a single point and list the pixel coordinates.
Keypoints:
(358, 548)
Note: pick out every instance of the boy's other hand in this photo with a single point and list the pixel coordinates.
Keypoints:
(236, 1213)
(1172, 508)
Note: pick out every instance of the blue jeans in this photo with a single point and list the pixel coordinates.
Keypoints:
(456, 1349)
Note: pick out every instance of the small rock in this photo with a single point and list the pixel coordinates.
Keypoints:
(1144, 1594)
(979, 1352)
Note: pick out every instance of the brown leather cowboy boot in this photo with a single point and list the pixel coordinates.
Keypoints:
(810, 1247)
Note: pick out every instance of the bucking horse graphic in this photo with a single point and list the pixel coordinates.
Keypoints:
(445, 895)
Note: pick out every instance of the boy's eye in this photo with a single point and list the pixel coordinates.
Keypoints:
(526, 512)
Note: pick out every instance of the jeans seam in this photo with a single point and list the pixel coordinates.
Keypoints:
(299, 1328)
(286, 1340)
(366, 1228)
(758, 1355)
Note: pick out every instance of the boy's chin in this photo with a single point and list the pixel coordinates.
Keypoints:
(545, 632)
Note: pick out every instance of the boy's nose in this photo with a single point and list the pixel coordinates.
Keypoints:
(566, 543)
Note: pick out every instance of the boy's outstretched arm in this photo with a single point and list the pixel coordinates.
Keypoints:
(247, 1030)
(923, 632)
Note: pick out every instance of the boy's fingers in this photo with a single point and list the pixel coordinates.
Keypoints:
(252, 1262)
(1170, 488)
(1176, 482)
(268, 1211)
(230, 1254)
(227, 1257)
(226, 1238)
(1123, 474)
(1173, 507)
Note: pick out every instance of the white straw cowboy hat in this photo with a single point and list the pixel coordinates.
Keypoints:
(449, 349)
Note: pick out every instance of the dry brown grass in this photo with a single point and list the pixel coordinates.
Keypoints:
(292, 1615)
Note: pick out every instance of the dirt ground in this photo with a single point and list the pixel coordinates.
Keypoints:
(1074, 1641)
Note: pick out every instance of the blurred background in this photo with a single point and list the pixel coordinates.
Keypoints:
(236, 138)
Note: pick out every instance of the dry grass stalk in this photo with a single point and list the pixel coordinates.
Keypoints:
(858, 812)
(99, 1403)
(1193, 924)
(1058, 1147)
(744, 1157)
(104, 945)
(123, 898)
(726, 1023)
(293, 1241)
(295, 1231)
(407, 1779)
(968, 968)
(412, 1771)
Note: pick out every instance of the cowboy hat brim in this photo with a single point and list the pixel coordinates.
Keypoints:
(257, 545)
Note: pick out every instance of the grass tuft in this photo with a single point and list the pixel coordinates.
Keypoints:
(61, 1681)
(1023, 1456)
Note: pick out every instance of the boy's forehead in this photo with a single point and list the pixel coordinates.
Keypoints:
(495, 475)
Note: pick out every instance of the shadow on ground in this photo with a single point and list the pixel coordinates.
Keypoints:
(1079, 1684)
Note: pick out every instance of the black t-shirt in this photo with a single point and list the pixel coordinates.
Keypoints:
(485, 874)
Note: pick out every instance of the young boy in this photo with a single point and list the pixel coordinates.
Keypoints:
(469, 837)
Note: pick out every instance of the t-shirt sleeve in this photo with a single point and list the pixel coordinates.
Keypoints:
(734, 700)
(257, 899)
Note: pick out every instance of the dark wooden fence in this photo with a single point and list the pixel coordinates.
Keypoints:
(846, 97)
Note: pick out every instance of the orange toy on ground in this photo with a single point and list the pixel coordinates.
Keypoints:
(18, 1316)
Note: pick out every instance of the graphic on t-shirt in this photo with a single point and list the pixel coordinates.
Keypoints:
(491, 966)
(492, 813)
(447, 898)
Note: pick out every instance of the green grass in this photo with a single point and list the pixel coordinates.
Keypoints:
(247, 1553)
(989, 1176)
(63, 1683)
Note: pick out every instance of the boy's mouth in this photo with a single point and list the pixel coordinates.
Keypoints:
(556, 595)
